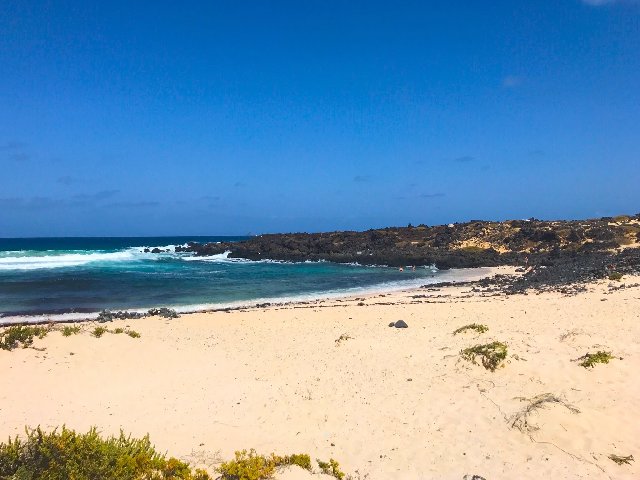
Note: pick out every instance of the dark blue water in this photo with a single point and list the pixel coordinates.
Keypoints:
(63, 275)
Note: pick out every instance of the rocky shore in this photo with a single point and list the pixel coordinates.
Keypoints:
(461, 245)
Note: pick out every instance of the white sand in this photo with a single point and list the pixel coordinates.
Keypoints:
(391, 403)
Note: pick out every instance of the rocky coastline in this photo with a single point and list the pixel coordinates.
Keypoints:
(460, 245)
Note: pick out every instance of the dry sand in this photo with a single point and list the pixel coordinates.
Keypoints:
(390, 403)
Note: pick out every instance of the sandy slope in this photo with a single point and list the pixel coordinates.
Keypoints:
(391, 403)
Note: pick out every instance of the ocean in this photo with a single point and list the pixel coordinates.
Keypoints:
(71, 278)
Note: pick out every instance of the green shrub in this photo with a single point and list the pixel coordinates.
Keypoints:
(590, 359)
(21, 335)
(247, 466)
(472, 326)
(331, 468)
(67, 455)
(69, 330)
(251, 466)
(118, 330)
(491, 354)
(300, 459)
(615, 276)
(99, 331)
(133, 334)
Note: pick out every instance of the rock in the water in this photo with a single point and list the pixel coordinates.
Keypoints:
(401, 324)
(156, 250)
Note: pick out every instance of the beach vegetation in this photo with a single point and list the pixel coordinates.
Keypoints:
(472, 326)
(331, 468)
(69, 330)
(99, 331)
(620, 460)
(342, 338)
(615, 276)
(590, 359)
(492, 355)
(21, 336)
(248, 465)
(65, 454)
(520, 419)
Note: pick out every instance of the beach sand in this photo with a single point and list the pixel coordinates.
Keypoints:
(387, 402)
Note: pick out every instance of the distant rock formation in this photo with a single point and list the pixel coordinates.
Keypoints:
(471, 244)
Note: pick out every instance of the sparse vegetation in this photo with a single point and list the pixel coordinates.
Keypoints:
(491, 354)
(342, 338)
(331, 468)
(248, 465)
(569, 334)
(621, 460)
(615, 276)
(472, 326)
(21, 336)
(65, 454)
(69, 330)
(520, 420)
(590, 359)
(99, 331)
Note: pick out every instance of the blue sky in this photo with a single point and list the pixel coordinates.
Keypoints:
(125, 118)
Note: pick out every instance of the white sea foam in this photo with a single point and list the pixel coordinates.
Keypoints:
(32, 260)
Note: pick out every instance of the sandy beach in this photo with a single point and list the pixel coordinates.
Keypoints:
(385, 402)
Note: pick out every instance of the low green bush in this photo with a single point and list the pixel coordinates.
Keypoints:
(248, 465)
(331, 468)
(590, 359)
(615, 276)
(21, 336)
(491, 354)
(65, 454)
(69, 330)
(99, 331)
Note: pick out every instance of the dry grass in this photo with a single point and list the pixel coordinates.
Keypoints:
(621, 460)
(342, 338)
(520, 419)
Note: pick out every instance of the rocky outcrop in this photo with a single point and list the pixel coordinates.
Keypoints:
(471, 244)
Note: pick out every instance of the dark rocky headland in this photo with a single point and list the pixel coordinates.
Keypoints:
(607, 240)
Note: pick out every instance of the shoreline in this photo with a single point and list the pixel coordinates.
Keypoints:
(451, 275)
(332, 379)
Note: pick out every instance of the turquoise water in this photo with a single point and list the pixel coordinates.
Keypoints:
(85, 275)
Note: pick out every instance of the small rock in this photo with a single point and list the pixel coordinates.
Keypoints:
(401, 324)
(392, 324)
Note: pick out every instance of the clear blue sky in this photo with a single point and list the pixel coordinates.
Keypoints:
(228, 117)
